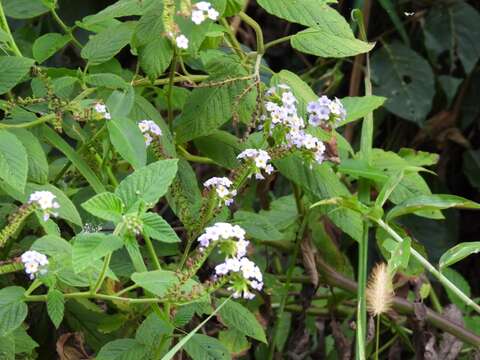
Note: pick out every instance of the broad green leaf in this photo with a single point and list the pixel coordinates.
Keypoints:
(388, 188)
(122, 349)
(90, 247)
(13, 161)
(156, 56)
(14, 69)
(418, 158)
(459, 252)
(156, 282)
(55, 306)
(7, 347)
(257, 226)
(220, 146)
(120, 103)
(23, 342)
(431, 202)
(120, 9)
(37, 160)
(157, 228)
(110, 81)
(47, 45)
(152, 329)
(454, 27)
(128, 140)
(360, 106)
(238, 317)
(148, 183)
(13, 309)
(405, 79)
(107, 206)
(203, 347)
(105, 45)
(235, 342)
(23, 9)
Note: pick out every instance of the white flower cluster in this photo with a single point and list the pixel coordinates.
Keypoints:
(149, 130)
(203, 10)
(237, 263)
(284, 122)
(34, 262)
(102, 110)
(324, 111)
(45, 200)
(222, 187)
(181, 41)
(261, 160)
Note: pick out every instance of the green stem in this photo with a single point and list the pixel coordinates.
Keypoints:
(88, 295)
(194, 158)
(103, 273)
(232, 39)
(191, 78)
(377, 341)
(4, 25)
(41, 120)
(65, 28)
(426, 264)
(258, 31)
(277, 41)
(151, 252)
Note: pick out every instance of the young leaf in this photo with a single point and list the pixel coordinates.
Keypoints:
(13, 309)
(157, 228)
(459, 252)
(431, 202)
(47, 45)
(90, 247)
(128, 140)
(122, 349)
(240, 318)
(120, 103)
(149, 183)
(13, 160)
(152, 329)
(55, 306)
(235, 342)
(203, 347)
(107, 206)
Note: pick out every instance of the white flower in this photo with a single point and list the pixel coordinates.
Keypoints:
(324, 110)
(223, 231)
(181, 41)
(260, 159)
(213, 14)
(149, 130)
(203, 10)
(222, 188)
(198, 17)
(45, 200)
(34, 262)
(203, 5)
(102, 110)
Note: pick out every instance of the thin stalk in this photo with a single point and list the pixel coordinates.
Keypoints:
(65, 28)
(258, 31)
(41, 120)
(191, 78)
(103, 273)
(127, 289)
(194, 158)
(426, 264)
(151, 252)
(4, 25)
(232, 39)
(88, 295)
(277, 41)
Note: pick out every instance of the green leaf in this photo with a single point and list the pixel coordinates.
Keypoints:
(105, 206)
(120, 103)
(220, 146)
(203, 347)
(23, 9)
(122, 349)
(360, 106)
(388, 188)
(156, 282)
(13, 309)
(400, 256)
(148, 183)
(23, 342)
(405, 79)
(120, 9)
(55, 306)
(257, 226)
(109, 81)
(459, 252)
(152, 329)
(14, 69)
(105, 45)
(13, 161)
(157, 228)
(47, 45)
(235, 342)
(418, 158)
(37, 160)
(128, 140)
(431, 202)
(90, 247)
(460, 282)
(240, 318)
(454, 27)
(156, 56)
(389, 7)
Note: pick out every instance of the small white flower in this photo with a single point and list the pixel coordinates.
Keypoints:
(34, 262)
(223, 231)
(102, 110)
(198, 17)
(222, 188)
(149, 130)
(182, 42)
(46, 201)
(260, 159)
(203, 5)
(213, 14)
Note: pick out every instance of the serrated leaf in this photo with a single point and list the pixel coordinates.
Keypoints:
(405, 79)
(122, 349)
(148, 183)
(13, 161)
(13, 309)
(105, 45)
(107, 206)
(431, 202)
(203, 347)
(359, 106)
(90, 247)
(55, 306)
(240, 318)
(128, 140)
(47, 45)
(14, 69)
(23, 9)
(459, 252)
(157, 228)
(156, 56)
(222, 147)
